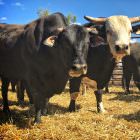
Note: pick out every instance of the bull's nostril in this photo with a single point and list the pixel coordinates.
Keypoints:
(74, 67)
(117, 47)
(85, 67)
(126, 48)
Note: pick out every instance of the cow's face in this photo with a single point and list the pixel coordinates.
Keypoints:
(79, 41)
(74, 42)
(118, 33)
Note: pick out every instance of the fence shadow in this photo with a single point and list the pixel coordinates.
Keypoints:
(130, 117)
(126, 97)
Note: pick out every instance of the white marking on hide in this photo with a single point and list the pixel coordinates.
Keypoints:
(101, 107)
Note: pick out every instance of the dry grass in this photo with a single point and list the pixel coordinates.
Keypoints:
(122, 120)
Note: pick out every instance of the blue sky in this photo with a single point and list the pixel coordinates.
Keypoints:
(24, 11)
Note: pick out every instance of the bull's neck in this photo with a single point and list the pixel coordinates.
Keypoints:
(65, 56)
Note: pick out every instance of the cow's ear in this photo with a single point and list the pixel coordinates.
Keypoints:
(38, 32)
(138, 32)
(96, 41)
(136, 29)
(99, 41)
(29, 36)
(50, 41)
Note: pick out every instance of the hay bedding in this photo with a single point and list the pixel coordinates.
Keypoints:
(122, 120)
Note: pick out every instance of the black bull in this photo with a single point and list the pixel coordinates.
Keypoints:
(23, 56)
(100, 64)
(131, 67)
(100, 67)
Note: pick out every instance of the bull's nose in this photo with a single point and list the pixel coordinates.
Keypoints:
(117, 48)
(126, 47)
(79, 67)
(121, 48)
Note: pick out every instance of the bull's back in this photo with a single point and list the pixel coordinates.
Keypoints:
(10, 50)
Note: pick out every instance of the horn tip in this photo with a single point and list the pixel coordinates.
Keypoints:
(86, 17)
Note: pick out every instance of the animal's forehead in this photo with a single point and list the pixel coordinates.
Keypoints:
(118, 22)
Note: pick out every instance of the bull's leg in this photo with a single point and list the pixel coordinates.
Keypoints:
(37, 114)
(100, 107)
(136, 78)
(44, 110)
(106, 89)
(126, 80)
(28, 93)
(20, 93)
(38, 104)
(13, 85)
(74, 90)
(6, 110)
(5, 85)
(73, 97)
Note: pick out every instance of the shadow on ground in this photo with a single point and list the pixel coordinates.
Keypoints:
(23, 118)
(130, 117)
(126, 97)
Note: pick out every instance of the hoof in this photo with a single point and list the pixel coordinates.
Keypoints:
(102, 111)
(21, 103)
(8, 115)
(44, 112)
(71, 109)
(127, 92)
(36, 122)
(72, 106)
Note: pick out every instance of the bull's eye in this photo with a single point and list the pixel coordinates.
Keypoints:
(109, 32)
(130, 31)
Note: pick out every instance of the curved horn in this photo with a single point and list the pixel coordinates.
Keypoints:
(134, 19)
(95, 20)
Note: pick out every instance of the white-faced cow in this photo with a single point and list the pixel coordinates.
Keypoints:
(117, 30)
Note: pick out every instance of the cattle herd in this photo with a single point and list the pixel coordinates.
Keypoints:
(46, 53)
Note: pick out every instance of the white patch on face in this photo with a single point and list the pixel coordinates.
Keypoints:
(118, 29)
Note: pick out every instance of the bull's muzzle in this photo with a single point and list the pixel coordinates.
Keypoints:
(122, 49)
(78, 70)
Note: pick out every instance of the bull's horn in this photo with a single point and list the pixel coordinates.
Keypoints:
(50, 41)
(95, 20)
(134, 19)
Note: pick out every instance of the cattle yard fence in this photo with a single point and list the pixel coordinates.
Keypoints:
(116, 78)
